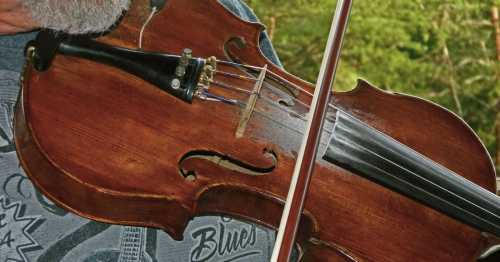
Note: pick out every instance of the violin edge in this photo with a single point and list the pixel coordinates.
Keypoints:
(364, 87)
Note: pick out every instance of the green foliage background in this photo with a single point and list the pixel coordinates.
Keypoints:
(442, 50)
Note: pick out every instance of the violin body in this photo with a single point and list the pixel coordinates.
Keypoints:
(110, 147)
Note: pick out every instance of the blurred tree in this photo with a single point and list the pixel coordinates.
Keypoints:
(439, 50)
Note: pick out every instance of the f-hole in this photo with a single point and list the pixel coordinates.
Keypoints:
(226, 162)
(235, 41)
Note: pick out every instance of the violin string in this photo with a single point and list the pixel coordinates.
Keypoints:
(268, 101)
(290, 84)
(212, 97)
(235, 75)
(291, 112)
(280, 78)
(265, 100)
(276, 78)
(269, 86)
(281, 123)
(296, 100)
(273, 89)
(224, 62)
(299, 132)
(230, 87)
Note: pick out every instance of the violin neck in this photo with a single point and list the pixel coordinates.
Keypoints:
(374, 155)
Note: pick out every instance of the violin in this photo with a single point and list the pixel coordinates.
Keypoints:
(140, 137)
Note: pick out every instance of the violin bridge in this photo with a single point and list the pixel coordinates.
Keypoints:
(248, 110)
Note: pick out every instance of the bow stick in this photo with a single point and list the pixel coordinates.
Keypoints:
(307, 155)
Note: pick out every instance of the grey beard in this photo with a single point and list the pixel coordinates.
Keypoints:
(76, 16)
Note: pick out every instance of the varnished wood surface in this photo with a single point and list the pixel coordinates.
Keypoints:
(107, 146)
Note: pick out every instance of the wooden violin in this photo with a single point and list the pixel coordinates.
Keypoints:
(133, 136)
